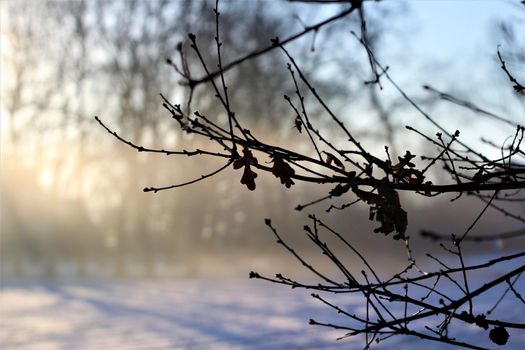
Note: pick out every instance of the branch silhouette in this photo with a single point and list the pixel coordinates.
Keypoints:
(394, 305)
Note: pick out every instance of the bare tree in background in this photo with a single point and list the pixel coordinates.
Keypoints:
(414, 301)
(112, 53)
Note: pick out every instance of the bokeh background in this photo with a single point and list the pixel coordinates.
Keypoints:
(72, 205)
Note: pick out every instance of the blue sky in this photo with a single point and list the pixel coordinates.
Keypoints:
(445, 28)
(451, 45)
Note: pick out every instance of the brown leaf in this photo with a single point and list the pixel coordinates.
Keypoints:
(282, 170)
(405, 170)
(246, 159)
(385, 208)
(239, 163)
(298, 124)
(330, 158)
(339, 190)
(248, 177)
(428, 192)
(405, 161)
(412, 176)
(478, 176)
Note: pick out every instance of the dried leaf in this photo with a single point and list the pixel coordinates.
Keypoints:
(246, 159)
(499, 335)
(404, 170)
(282, 170)
(428, 192)
(298, 124)
(385, 208)
(248, 177)
(478, 176)
(412, 176)
(405, 161)
(369, 169)
(339, 190)
(330, 158)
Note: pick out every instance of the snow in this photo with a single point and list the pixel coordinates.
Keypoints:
(178, 314)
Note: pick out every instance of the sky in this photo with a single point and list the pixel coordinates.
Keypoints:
(451, 45)
(448, 27)
(454, 33)
(446, 44)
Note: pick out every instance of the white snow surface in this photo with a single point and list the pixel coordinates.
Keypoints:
(184, 314)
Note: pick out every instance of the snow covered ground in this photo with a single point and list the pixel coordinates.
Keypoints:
(184, 314)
